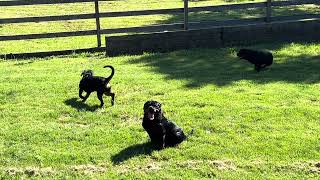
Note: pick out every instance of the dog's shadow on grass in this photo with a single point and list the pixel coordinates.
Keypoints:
(79, 105)
(132, 151)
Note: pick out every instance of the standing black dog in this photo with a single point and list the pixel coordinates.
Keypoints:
(162, 132)
(260, 59)
(90, 83)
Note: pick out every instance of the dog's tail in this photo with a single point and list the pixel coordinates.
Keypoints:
(111, 75)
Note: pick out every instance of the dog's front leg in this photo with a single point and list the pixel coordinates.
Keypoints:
(163, 141)
(80, 93)
(257, 67)
(86, 97)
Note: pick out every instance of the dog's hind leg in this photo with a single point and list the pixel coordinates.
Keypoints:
(100, 94)
(112, 96)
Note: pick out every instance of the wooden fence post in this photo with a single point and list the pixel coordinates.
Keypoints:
(268, 11)
(186, 12)
(97, 15)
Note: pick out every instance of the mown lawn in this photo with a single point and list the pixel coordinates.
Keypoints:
(54, 44)
(247, 125)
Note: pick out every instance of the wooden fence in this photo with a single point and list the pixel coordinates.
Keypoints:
(151, 28)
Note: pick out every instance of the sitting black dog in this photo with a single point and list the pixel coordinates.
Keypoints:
(260, 59)
(162, 132)
(90, 83)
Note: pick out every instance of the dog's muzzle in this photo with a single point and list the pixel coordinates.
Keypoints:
(151, 113)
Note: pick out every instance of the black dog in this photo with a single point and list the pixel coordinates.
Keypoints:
(260, 59)
(90, 83)
(162, 132)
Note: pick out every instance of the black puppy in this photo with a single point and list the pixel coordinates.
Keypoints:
(90, 83)
(260, 59)
(162, 132)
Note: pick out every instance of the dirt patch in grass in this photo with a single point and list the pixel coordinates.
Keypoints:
(88, 169)
(79, 125)
(153, 166)
(218, 164)
(30, 171)
(314, 167)
(307, 167)
(223, 165)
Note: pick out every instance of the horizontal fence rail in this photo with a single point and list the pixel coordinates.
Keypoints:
(151, 28)
(158, 28)
(294, 2)
(89, 16)
(47, 18)
(39, 2)
(153, 12)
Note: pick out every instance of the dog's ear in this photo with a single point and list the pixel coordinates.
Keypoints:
(146, 105)
(83, 72)
(158, 105)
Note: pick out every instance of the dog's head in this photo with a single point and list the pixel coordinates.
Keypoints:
(152, 110)
(87, 73)
(242, 53)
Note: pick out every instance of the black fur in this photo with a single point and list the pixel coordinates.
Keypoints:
(90, 83)
(260, 59)
(162, 132)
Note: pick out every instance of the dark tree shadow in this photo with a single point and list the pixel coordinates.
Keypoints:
(132, 151)
(79, 105)
(236, 14)
(221, 66)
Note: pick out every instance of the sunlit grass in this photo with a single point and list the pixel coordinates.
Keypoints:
(247, 125)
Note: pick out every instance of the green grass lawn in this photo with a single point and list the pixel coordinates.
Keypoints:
(53, 44)
(247, 125)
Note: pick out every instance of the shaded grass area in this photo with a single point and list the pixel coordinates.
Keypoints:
(203, 68)
(246, 124)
